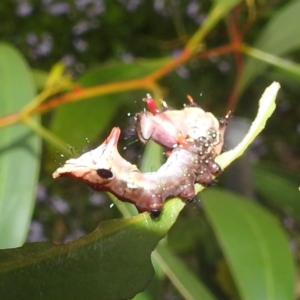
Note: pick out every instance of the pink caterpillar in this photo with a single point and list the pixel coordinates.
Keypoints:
(193, 138)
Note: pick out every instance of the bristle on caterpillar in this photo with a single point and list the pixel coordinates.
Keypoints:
(192, 137)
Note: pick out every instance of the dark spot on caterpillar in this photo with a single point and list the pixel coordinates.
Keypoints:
(192, 200)
(155, 213)
(106, 174)
(213, 183)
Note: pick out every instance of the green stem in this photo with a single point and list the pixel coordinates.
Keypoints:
(46, 135)
(219, 10)
(44, 95)
(273, 60)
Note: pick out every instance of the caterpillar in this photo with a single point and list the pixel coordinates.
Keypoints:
(193, 138)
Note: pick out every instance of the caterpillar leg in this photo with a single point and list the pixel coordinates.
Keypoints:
(155, 214)
(224, 121)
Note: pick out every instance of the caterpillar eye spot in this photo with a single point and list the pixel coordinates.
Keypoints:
(105, 173)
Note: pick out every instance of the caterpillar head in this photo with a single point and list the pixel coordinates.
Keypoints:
(99, 167)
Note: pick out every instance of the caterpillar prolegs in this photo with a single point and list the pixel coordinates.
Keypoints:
(193, 138)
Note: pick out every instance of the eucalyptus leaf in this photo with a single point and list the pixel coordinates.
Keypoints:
(273, 40)
(113, 262)
(19, 150)
(254, 244)
(278, 191)
(182, 277)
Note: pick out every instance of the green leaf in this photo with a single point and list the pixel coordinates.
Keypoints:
(113, 262)
(40, 78)
(274, 40)
(228, 4)
(254, 245)
(189, 286)
(152, 157)
(287, 67)
(78, 121)
(143, 296)
(278, 191)
(190, 230)
(89, 118)
(19, 150)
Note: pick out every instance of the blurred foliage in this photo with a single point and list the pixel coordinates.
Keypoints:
(70, 70)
